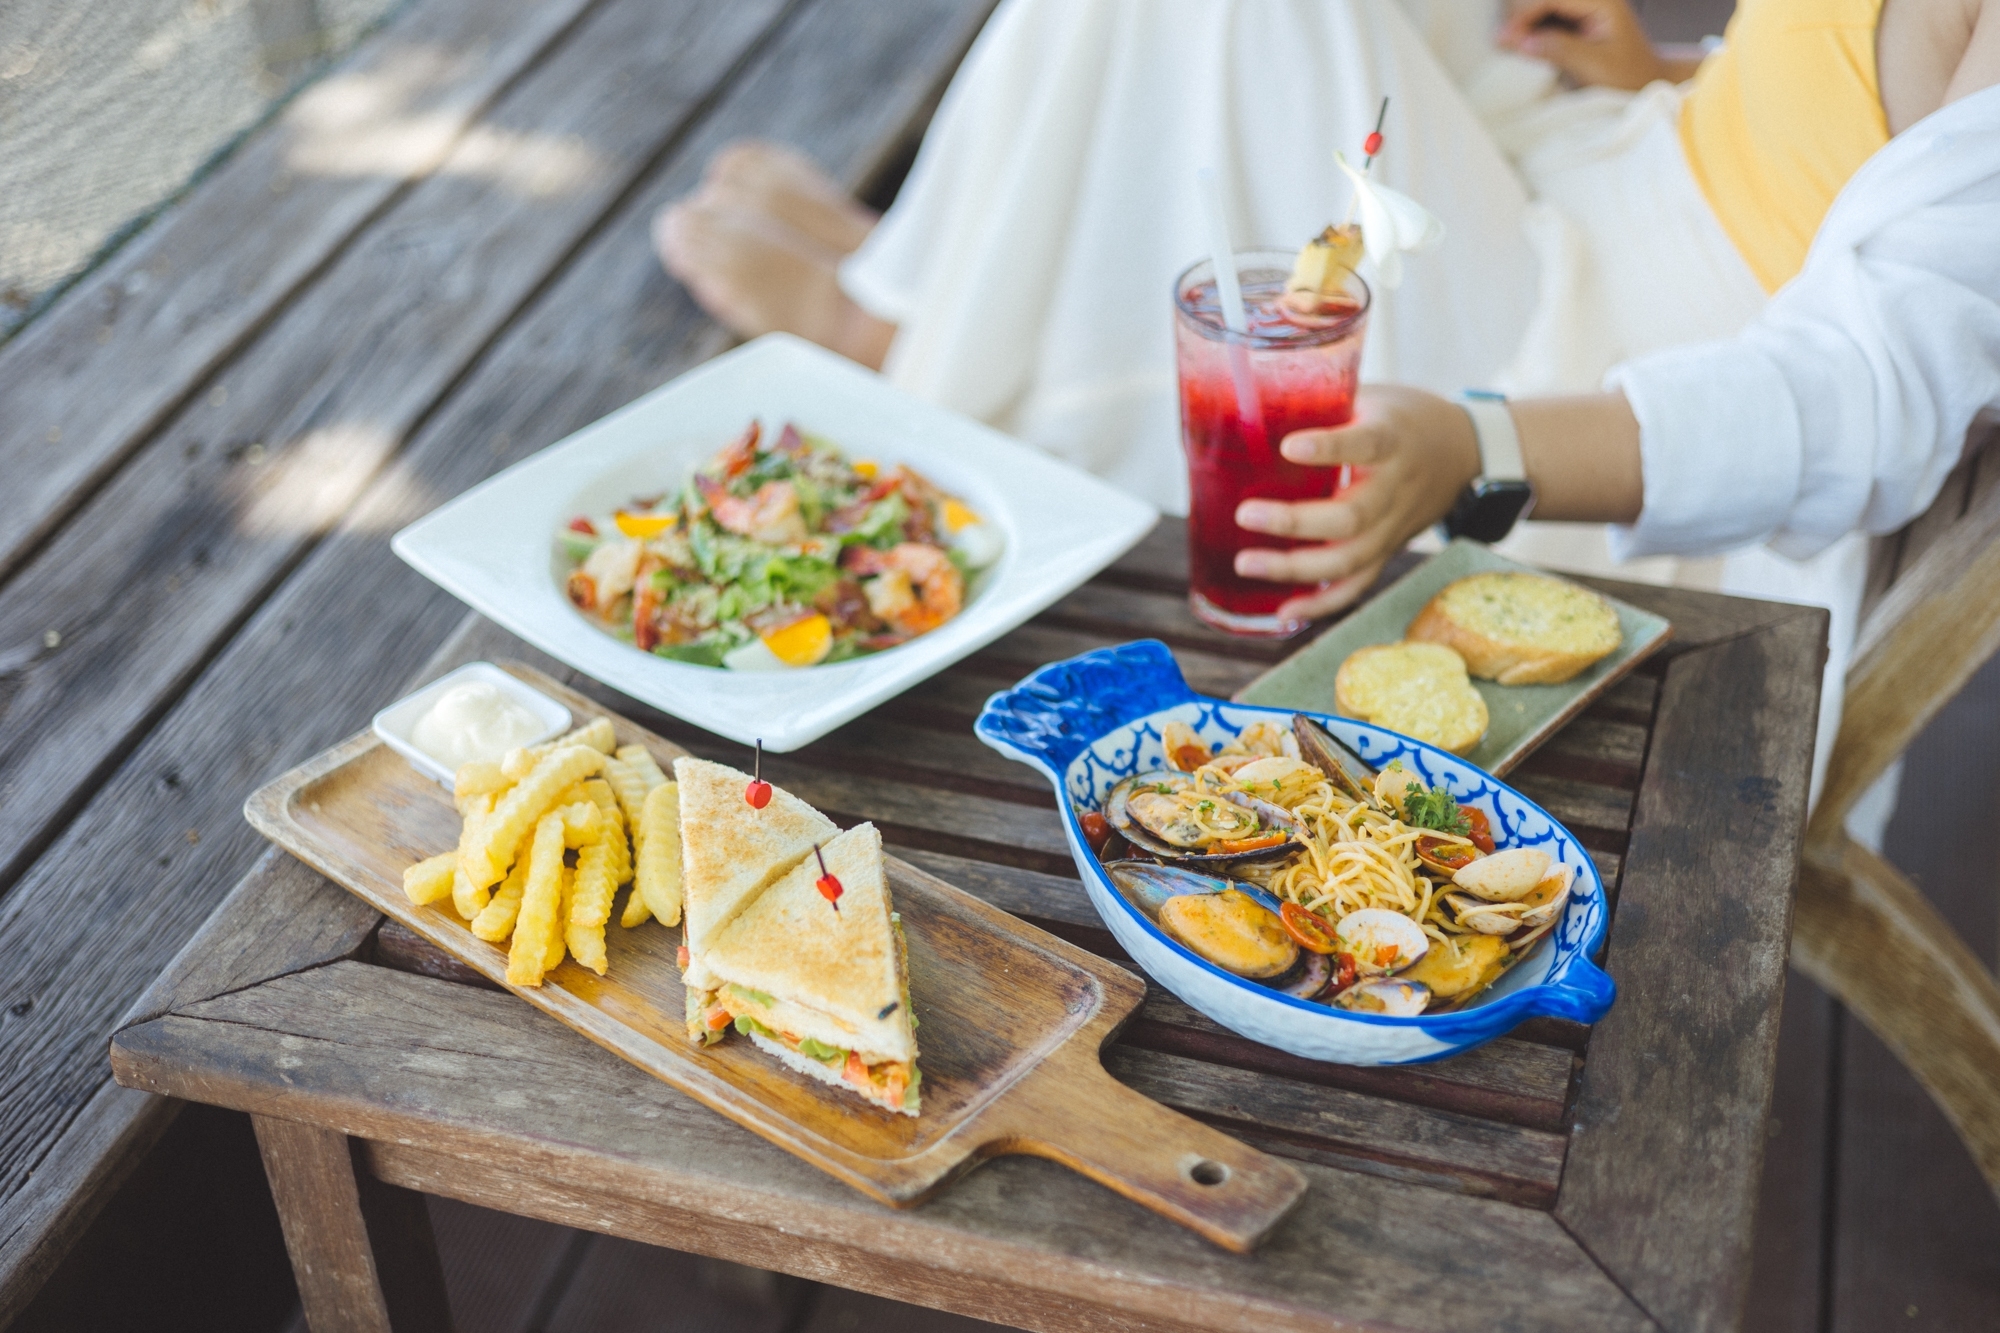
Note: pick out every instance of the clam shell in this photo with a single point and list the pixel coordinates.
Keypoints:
(1367, 931)
(1504, 877)
(1541, 910)
(1482, 916)
(1385, 995)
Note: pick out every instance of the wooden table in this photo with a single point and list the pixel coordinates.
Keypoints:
(1595, 1179)
(435, 263)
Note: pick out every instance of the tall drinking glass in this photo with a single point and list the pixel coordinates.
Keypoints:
(1241, 394)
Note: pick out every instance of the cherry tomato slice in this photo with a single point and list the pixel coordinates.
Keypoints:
(1345, 974)
(1446, 858)
(1096, 830)
(1482, 828)
(1307, 928)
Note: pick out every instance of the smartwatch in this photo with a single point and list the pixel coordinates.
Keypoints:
(1501, 495)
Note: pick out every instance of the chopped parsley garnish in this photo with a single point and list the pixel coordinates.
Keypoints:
(1434, 809)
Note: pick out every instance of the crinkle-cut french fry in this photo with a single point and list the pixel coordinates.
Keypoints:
(658, 875)
(636, 912)
(621, 857)
(481, 777)
(468, 895)
(599, 791)
(596, 734)
(582, 823)
(496, 923)
(486, 859)
(640, 758)
(541, 905)
(430, 879)
(628, 784)
(590, 902)
(557, 945)
(467, 899)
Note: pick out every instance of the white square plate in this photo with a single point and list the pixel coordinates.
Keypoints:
(494, 547)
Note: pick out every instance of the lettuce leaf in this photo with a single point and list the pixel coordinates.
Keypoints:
(814, 1049)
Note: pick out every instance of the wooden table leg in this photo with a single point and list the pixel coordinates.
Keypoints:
(362, 1250)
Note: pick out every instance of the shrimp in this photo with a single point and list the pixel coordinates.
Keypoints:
(646, 603)
(737, 458)
(913, 587)
(771, 515)
(606, 575)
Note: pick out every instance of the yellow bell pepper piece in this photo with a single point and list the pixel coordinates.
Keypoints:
(642, 526)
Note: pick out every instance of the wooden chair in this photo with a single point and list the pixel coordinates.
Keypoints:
(1862, 930)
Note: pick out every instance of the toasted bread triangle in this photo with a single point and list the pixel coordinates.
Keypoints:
(791, 945)
(730, 850)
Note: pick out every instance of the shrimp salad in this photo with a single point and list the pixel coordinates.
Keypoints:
(778, 555)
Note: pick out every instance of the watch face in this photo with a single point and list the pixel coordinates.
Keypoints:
(1488, 510)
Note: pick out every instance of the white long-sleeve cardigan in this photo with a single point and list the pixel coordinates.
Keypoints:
(1842, 406)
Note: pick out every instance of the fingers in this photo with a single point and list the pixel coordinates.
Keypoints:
(1357, 509)
(1333, 597)
(1534, 19)
(1362, 442)
(1315, 564)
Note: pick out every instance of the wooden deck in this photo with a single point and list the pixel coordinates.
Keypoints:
(1872, 1214)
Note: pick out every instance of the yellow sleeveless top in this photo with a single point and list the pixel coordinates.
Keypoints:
(1779, 118)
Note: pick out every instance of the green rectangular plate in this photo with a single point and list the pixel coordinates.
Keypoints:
(1522, 716)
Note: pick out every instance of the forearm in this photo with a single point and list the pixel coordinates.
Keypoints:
(1582, 455)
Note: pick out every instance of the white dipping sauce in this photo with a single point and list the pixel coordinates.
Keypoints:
(474, 721)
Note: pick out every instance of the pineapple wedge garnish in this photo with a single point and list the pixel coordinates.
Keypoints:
(1323, 264)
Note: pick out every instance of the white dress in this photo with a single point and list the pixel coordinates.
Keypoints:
(1029, 259)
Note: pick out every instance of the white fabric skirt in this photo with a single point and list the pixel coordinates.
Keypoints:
(1029, 258)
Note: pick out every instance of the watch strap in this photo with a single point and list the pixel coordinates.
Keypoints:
(1499, 441)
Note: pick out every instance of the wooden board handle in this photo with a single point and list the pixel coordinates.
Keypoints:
(1178, 1167)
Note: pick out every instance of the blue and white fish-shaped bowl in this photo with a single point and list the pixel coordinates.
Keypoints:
(1094, 720)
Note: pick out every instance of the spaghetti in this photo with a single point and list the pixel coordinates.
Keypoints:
(1351, 856)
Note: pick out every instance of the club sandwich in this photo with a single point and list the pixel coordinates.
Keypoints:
(822, 985)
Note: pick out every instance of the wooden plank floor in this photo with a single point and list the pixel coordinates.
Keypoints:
(1873, 1216)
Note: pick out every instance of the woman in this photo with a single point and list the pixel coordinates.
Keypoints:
(1621, 237)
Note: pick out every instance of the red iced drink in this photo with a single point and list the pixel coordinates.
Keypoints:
(1296, 371)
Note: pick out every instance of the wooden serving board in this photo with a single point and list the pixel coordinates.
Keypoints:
(1013, 1020)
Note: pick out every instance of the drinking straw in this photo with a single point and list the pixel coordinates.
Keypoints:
(1222, 256)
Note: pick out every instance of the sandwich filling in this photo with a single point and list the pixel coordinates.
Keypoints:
(885, 1080)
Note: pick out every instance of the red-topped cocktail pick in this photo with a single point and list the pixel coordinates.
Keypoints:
(758, 793)
(1373, 143)
(829, 887)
